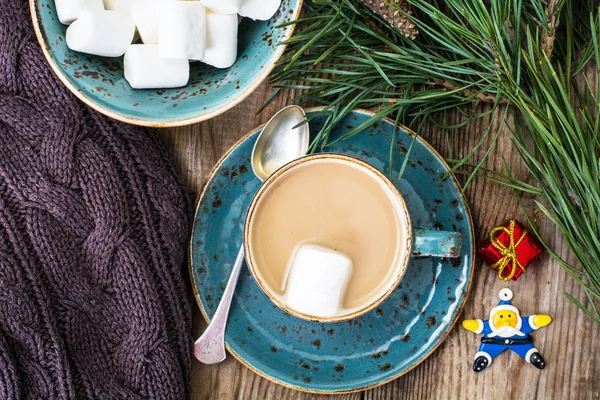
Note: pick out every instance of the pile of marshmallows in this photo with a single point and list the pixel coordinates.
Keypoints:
(173, 33)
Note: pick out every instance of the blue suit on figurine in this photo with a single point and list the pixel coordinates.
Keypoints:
(507, 330)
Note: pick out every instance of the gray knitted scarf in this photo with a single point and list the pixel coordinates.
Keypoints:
(93, 225)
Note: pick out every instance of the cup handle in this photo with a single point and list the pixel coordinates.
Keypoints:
(433, 243)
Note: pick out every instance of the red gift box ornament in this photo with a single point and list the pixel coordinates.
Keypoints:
(510, 249)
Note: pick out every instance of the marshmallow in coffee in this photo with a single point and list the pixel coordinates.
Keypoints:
(317, 280)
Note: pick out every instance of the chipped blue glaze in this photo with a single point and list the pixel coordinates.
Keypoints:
(352, 355)
(99, 81)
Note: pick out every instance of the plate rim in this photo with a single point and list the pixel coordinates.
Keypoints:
(201, 194)
(172, 123)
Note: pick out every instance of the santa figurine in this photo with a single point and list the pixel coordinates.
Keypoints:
(507, 330)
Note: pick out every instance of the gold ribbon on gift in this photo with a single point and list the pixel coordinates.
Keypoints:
(509, 254)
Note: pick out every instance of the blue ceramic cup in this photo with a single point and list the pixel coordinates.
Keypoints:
(414, 242)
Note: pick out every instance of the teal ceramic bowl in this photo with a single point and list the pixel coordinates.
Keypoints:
(99, 81)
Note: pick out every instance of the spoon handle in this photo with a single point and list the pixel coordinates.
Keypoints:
(210, 347)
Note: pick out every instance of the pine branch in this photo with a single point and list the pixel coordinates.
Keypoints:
(548, 34)
(482, 97)
(395, 13)
(346, 56)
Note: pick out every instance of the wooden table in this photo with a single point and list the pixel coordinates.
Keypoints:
(570, 344)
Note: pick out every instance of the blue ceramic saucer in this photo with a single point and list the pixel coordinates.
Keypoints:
(352, 355)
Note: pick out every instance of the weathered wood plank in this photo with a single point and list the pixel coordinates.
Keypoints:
(569, 344)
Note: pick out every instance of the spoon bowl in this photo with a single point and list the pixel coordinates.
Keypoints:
(283, 139)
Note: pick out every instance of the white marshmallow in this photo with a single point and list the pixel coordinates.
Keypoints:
(259, 9)
(317, 280)
(122, 6)
(102, 33)
(221, 39)
(182, 30)
(144, 69)
(69, 10)
(145, 16)
(223, 6)
(255, 9)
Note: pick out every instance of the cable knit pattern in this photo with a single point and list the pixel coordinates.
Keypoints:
(93, 225)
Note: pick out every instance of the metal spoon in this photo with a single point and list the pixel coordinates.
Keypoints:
(278, 144)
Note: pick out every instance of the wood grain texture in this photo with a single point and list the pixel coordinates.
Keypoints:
(570, 344)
